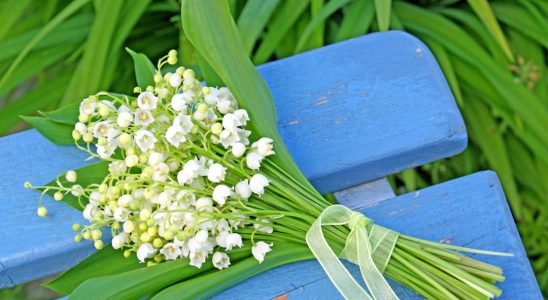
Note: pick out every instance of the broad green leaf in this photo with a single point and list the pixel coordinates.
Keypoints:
(524, 166)
(483, 131)
(132, 12)
(253, 19)
(57, 133)
(282, 22)
(356, 20)
(92, 173)
(520, 19)
(34, 64)
(210, 284)
(63, 15)
(144, 69)
(10, 12)
(382, 11)
(67, 114)
(326, 11)
(445, 62)
(85, 80)
(70, 31)
(105, 262)
(518, 97)
(140, 282)
(470, 20)
(484, 12)
(42, 97)
(210, 28)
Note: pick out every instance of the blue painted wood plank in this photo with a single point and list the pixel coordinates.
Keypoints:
(470, 211)
(364, 98)
(350, 112)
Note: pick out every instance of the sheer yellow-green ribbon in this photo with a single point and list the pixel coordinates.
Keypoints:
(367, 245)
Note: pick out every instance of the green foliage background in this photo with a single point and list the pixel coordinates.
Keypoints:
(54, 52)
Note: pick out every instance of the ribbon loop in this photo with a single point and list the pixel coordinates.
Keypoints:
(367, 245)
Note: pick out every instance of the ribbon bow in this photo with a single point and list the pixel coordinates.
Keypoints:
(367, 245)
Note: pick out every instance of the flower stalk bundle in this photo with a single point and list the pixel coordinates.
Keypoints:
(196, 178)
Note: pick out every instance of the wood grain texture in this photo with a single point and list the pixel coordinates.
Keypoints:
(470, 211)
(350, 113)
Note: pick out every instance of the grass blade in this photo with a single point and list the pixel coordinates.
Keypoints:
(253, 19)
(382, 10)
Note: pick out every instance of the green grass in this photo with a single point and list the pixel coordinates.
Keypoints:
(493, 55)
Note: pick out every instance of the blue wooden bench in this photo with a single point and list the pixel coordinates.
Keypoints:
(351, 114)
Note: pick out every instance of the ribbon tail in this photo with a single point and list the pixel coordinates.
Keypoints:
(335, 270)
(376, 283)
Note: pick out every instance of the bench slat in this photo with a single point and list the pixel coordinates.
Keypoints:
(470, 211)
(350, 113)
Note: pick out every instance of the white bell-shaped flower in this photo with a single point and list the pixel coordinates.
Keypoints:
(145, 139)
(257, 183)
(233, 240)
(242, 189)
(147, 100)
(220, 260)
(171, 251)
(253, 160)
(119, 240)
(220, 193)
(259, 250)
(216, 173)
(145, 251)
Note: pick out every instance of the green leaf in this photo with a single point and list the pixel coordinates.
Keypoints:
(137, 283)
(144, 69)
(57, 133)
(282, 22)
(483, 131)
(105, 262)
(210, 284)
(521, 20)
(85, 79)
(90, 174)
(445, 62)
(382, 10)
(486, 15)
(64, 14)
(42, 97)
(356, 20)
(323, 14)
(210, 28)
(67, 114)
(10, 12)
(253, 19)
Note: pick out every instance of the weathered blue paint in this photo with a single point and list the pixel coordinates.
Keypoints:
(471, 211)
(350, 104)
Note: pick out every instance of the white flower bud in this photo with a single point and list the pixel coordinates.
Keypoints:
(145, 251)
(147, 101)
(220, 260)
(41, 211)
(128, 226)
(171, 251)
(71, 176)
(175, 80)
(257, 183)
(125, 139)
(216, 173)
(131, 160)
(121, 214)
(204, 204)
(264, 146)
(124, 119)
(238, 149)
(221, 193)
(119, 240)
(259, 250)
(144, 214)
(243, 191)
(233, 240)
(155, 158)
(217, 128)
(58, 196)
(253, 160)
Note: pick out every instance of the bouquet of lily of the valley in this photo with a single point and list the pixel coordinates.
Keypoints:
(192, 179)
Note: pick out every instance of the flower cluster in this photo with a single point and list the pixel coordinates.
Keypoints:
(181, 175)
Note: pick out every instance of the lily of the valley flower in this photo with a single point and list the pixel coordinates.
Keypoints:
(260, 249)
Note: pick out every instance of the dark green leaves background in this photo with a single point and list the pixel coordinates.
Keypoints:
(55, 52)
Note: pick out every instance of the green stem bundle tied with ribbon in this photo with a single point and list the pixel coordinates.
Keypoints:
(191, 177)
